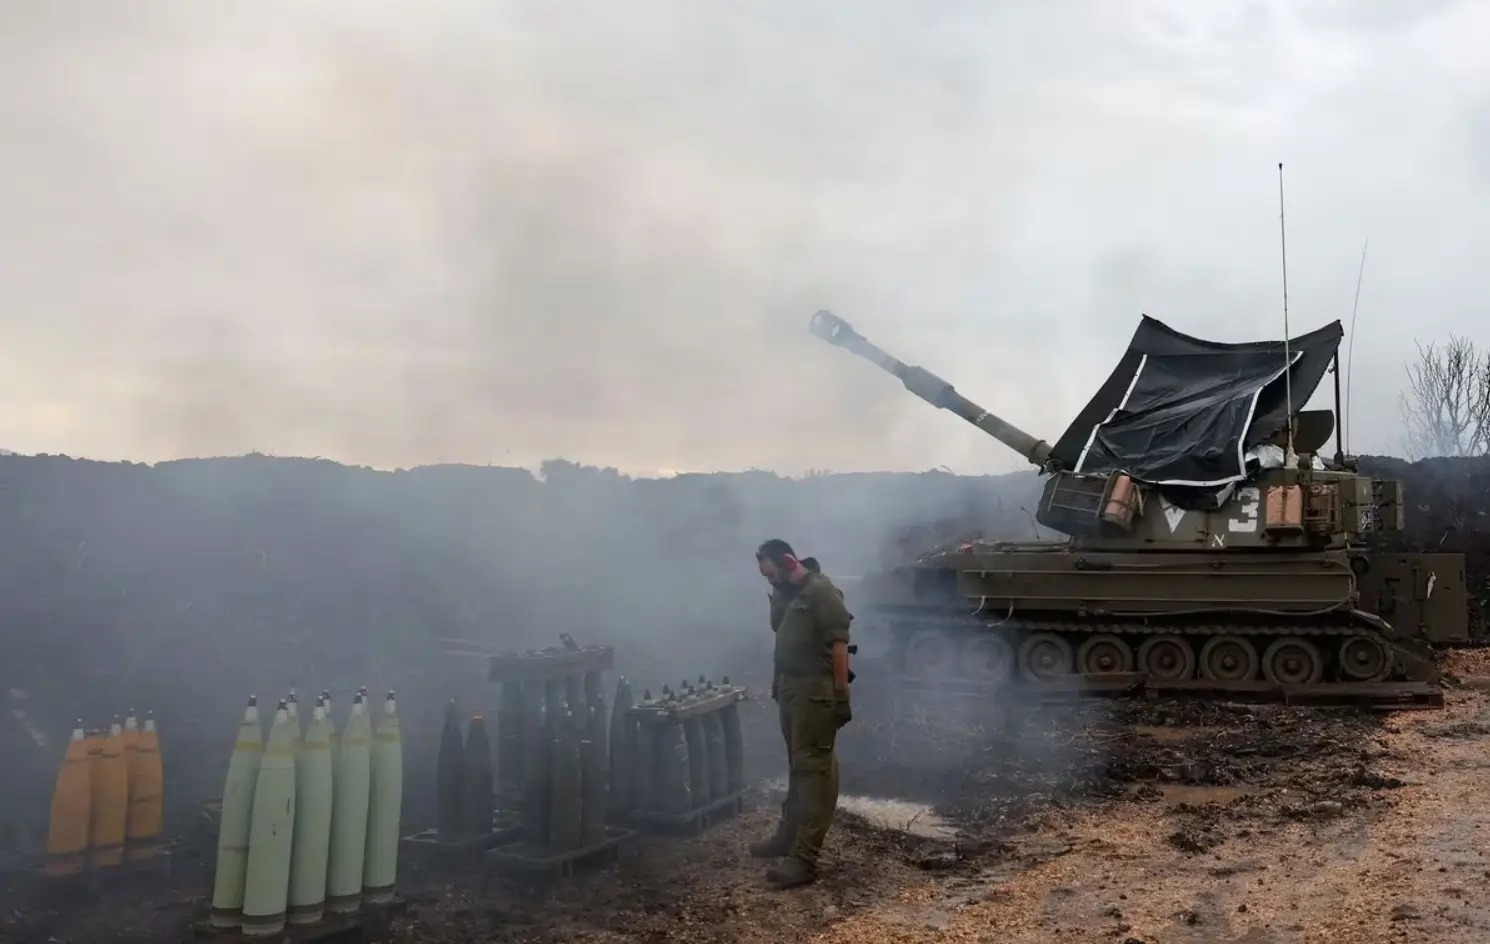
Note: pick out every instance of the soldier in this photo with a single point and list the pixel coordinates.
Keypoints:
(811, 690)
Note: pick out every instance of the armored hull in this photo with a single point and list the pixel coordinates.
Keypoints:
(990, 616)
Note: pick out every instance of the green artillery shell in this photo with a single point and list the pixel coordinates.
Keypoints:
(479, 790)
(677, 785)
(266, 885)
(449, 777)
(622, 750)
(237, 813)
(352, 781)
(698, 760)
(385, 803)
(536, 750)
(734, 748)
(510, 739)
(312, 842)
(566, 799)
(718, 761)
(592, 825)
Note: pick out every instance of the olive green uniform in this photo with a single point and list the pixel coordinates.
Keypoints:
(810, 621)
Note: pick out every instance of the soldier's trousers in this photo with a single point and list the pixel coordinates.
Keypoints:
(810, 715)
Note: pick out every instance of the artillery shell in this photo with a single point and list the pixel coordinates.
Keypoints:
(566, 801)
(384, 807)
(479, 792)
(646, 791)
(622, 750)
(510, 739)
(535, 766)
(592, 826)
(734, 748)
(449, 777)
(698, 760)
(672, 757)
(718, 760)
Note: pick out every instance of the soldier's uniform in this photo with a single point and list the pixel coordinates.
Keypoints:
(808, 618)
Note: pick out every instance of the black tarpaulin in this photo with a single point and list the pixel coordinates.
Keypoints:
(1181, 411)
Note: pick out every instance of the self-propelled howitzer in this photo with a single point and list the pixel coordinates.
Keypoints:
(1211, 543)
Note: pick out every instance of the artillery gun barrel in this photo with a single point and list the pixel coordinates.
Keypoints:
(929, 387)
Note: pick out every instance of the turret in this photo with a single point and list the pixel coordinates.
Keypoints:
(931, 388)
(1143, 477)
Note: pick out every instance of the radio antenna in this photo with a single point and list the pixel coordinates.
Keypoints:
(1287, 353)
(1350, 345)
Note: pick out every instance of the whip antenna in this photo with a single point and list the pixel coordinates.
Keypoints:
(1350, 345)
(1287, 353)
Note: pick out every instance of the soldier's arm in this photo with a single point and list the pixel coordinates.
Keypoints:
(833, 619)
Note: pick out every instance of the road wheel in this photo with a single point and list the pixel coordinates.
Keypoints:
(986, 658)
(1166, 658)
(1365, 659)
(931, 654)
(1044, 656)
(1103, 655)
(1292, 661)
(1229, 659)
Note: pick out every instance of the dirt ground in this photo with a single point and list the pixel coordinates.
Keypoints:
(1119, 823)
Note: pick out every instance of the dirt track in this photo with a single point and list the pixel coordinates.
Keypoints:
(1135, 823)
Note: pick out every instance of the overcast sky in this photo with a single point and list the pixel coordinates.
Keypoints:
(398, 233)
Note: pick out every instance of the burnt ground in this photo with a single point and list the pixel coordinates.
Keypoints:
(1105, 804)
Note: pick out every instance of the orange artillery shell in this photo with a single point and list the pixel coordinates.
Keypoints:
(72, 797)
(110, 800)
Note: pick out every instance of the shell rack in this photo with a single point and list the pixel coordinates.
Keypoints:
(554, 760)
(429, 843)
(547, 862)
(689, 770)
(369, 923)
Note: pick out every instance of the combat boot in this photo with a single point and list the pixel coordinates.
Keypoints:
(780, 842)
(793, 873)
(774, 848)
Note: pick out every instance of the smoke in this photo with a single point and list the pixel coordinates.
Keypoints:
(463, 233)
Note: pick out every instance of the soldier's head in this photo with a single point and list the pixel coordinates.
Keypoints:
(778, 562)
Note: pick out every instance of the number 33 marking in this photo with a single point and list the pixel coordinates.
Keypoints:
(1246, 521)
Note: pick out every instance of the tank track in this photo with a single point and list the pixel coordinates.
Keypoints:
(1299, 660)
